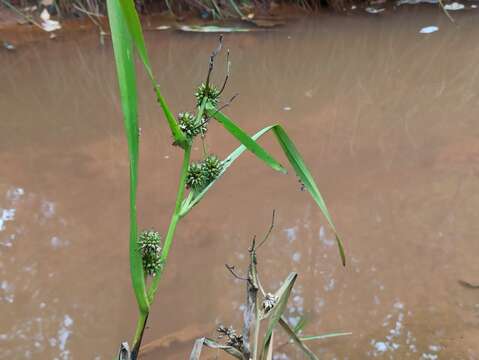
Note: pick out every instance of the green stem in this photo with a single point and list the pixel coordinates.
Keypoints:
(175, 218)
(178, 135)
(140, 328)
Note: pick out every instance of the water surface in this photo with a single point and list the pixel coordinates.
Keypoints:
(386, 117)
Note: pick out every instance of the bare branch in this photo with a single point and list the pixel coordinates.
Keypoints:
(231, 269)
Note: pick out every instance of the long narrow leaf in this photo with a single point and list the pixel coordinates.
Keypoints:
(269, 356)
(297, 162)
(193, 200)
(325, 336)
(299, 166)
(294, 338)
(276, 312)
(134, 28)
(196, 352)
(244, 138)
(125, 66)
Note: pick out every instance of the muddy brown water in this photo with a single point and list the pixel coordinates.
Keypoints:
(387, 119)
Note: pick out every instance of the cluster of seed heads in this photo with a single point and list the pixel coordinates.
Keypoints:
(150, 248)
(192, 126)
(232, 339)
(210, 92)
(201, 174)
(269, 302)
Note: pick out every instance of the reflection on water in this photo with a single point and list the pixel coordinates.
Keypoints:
(28, 334)
(387, 119)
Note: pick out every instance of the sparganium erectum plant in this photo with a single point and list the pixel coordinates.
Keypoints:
(148, 257)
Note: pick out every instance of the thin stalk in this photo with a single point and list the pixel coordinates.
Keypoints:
(140, 329)
(175, 218)
(26, 17)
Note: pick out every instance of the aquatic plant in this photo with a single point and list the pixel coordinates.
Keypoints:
(147, 266)
(260, 306)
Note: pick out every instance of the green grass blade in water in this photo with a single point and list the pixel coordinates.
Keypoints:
(134, 27)
(294, 338)
(276, 312)
(125, 66)
(297, 162)
(244, 138)
(192, 201)
(299, 166)
(325, 336)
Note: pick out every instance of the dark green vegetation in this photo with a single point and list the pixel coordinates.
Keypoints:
(148, 255)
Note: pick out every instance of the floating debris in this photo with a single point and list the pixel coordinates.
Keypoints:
(454, 6)
(163, 27)
(473, 6)
(287, 108)
(415, 2)
(213, 29)
(9, 46)
(373, 10)
(47, 24)
(428, 29)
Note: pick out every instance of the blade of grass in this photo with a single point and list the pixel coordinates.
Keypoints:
(196, 352)
(276, 312)
(269, 356)
(194, 199)
(236, 8)
(295, 160)
(125, 66)
(244, 138)
(294, 337)
(300, 325)
(324, 336)
(134, 27)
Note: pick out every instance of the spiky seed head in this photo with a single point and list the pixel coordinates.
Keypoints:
(269, 302)
(212, 167)
(150, 247)
(150, 241)
(195, 178)
(210, 92)
(152, 264)
(190, 125)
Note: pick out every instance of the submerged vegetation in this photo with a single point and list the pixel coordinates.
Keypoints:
(148, 253)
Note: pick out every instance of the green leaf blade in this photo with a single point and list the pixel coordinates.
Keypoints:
(244, 138)
(133, 24)
(298, 164)
(276, 312)
(325, 336)
(124, 58)
(294, 338)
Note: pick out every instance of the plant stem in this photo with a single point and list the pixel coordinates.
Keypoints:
(175, 218)
(140, 329)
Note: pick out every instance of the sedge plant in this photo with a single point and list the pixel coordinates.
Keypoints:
(260, 307)
(148, 251)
